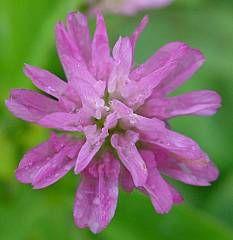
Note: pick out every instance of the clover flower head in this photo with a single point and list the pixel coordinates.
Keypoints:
(122, 111)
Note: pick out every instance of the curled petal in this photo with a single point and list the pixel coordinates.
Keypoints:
(97, 194)
(156, 186)
(130, 157)
(48, 162)
(30, 105)
(46, 81)
(203, 103)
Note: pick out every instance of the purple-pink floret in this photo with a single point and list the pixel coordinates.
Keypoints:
(121, 110)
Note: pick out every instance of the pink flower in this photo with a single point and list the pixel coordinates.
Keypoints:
(127, 7)
(122, 110)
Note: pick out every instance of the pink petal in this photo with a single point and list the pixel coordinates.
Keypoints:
(78, 74)
(66, 121)
(45, 81)
(94, 141)
(177, 198)
(156, 186)
(135, 92)
(197, 172)
(78, 29)
(30, 105)
(122, 55)
(136, 34)
(194, 103)
(100, 50)
(48, 162)
(126, 180)
(187, 62)
(130, 157)
(96, 198)
(66, 47)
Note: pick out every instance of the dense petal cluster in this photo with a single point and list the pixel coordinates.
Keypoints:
(127, 7)
(121, 110)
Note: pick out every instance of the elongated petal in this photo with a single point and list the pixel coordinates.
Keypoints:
(130, 157)
(46, 81)
(96, 198)
(122, 55)
(156, 186)
(78, 29)
(101, 60)
(65, 121)
(136, 92)
(187, 62)
(66, 47)
(203, 103)
(94, 141)
(30, 105)
(126, 180)
(136, 34)
(48, 162)
(191, 172)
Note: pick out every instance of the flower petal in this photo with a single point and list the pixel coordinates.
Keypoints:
(48, 162)
(126, 180)
(66, 121)
(46, 81)
(122, 55)
(199, 173)
(78, 29)
(156, 186)
(136, 34)
(101, 60)
(66, 47)
(194, 103)
(30, 105)
(130, 157)
(94, 141)
(187, 60)
(96, 198)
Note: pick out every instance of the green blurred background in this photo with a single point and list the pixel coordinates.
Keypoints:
(26, 36)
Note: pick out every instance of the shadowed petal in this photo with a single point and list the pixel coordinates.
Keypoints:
(46, 81)
(48, 162)
(30, 105)
(97, 194)
(130, 157)
(126, 180)
(203, 103)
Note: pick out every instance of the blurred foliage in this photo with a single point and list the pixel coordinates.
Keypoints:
(26, 35)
